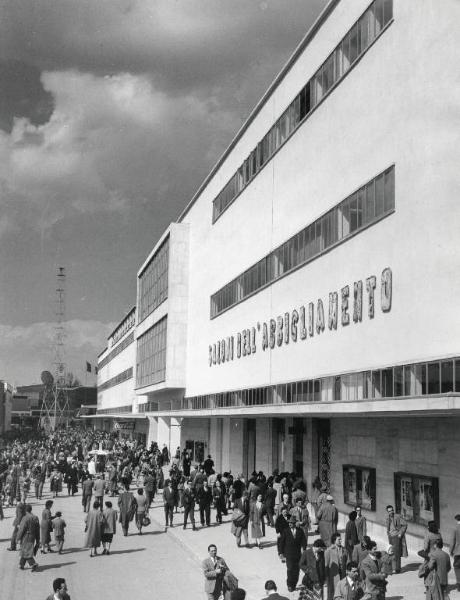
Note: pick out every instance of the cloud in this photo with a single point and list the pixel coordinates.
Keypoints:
(26, 351)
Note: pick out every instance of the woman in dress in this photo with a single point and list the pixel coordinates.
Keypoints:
(256, 516)
(46, 526)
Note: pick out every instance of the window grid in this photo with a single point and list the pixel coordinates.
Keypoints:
(443, 378)
(128, 408)
(153, 282)
(151, 355)
(124, 376)
(358, 39)
(350, 216)
(124, 344)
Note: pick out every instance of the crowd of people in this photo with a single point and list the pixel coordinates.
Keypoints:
(119, 480)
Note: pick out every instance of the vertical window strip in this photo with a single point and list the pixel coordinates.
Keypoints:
(366, 206)
(153, 282)
(151, 355)
(357, 40)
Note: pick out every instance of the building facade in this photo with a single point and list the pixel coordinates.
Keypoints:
(300, 315)
(6, 397)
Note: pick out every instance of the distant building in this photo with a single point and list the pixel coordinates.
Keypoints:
(6, 395)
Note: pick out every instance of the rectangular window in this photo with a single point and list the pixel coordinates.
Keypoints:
(153, 282)
(398, 381)
(447, 376)
(151, 355)
(434, 379)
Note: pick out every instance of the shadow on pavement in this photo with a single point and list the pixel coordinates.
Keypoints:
(55, 566)
(395, 598)
(149, 532)
(6, 540)
(113, 552)
(410, 567)
(69, 550)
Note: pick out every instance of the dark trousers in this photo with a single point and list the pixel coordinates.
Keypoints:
(13, 538)
(395, 541)
(149, 495)
(270, 512)
(86, 502)
(457, 568)
(189, 510)
(205, 511)
(22, 562)
(293, 571)
(169, 512)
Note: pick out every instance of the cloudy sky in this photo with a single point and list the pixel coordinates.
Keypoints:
(111, 115)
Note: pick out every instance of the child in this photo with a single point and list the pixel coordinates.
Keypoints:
(59, 526)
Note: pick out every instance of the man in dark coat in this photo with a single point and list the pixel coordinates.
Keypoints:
(169, 502)
(440, 560)
(188, 501)
(351, 534)
(87, 492)
(149, 486)
(272, 591)
(29, 537)
(208, 465)
(269, 502)
(204, 497)
(20, 512)
(312, 564)
(292, 543)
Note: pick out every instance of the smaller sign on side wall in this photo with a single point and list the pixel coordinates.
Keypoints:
(124, 426)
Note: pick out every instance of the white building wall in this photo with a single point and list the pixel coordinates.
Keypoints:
(392, 107)
(123, 393)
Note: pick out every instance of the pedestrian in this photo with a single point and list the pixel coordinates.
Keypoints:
(240, 519)
(349, 588)
(238, 594)
(55, 482)
(94, 520)
(169, 501)
(141, 509)
(440, 561)
(110, 527)
(59, 526)
(351, 534)
(361, 523)
(46, 527)
(335, 559)
(270, 503)
(214, 569)
(87, 492)
(219, 501)
(432, 534)
(292, 543)
(312, 563)
(29, 538)
(59, 590)
(327, 519)
(360, 551)
(149, 487)
(188, 500)
(376, 580)
(455, 549)
(272, 591)
(281, 523)
(208, 465)
(204, 497)
(20, 512)
(127, 508)
(99, 489)
(396, 529)
(256, 517)
(300, 512)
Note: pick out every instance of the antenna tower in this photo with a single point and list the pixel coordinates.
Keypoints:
(55, 403)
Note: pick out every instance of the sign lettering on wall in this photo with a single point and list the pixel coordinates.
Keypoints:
(344, 307)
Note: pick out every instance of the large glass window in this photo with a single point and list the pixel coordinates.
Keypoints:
(348, 217)
(151, 355)
(153, 282)
(347, 52)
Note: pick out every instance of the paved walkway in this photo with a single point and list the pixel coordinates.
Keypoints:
(158, 565)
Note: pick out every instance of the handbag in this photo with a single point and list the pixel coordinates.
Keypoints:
(238, 517)
(146, 521)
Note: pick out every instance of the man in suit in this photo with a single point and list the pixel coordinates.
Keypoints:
(327, 517)
(335, 559)
(440, 560)
(149, 486)
(272, 591)
(59, 589)
(169, 501)
(313, 565)
(204, 497)
(292, 542)
(188, 501)
(29, 537)
(349, 587)
(396, 529)
(214, 569)
(376, 581)
(87, 492)
(269, 502)
(455, 550)
(99, 489)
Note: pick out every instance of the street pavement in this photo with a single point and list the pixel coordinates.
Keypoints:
(158, 565)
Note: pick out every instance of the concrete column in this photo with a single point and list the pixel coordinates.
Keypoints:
(288, 446)
(309, 470)
(264, 446)
(234, 443)
(152, 435)
(163, 431)
(174, 435)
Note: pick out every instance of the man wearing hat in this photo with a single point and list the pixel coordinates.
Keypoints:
(328, 517)
(292, 543)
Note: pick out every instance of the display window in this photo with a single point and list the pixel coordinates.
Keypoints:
(359, 486)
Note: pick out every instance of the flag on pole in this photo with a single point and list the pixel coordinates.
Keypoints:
(88, 367)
